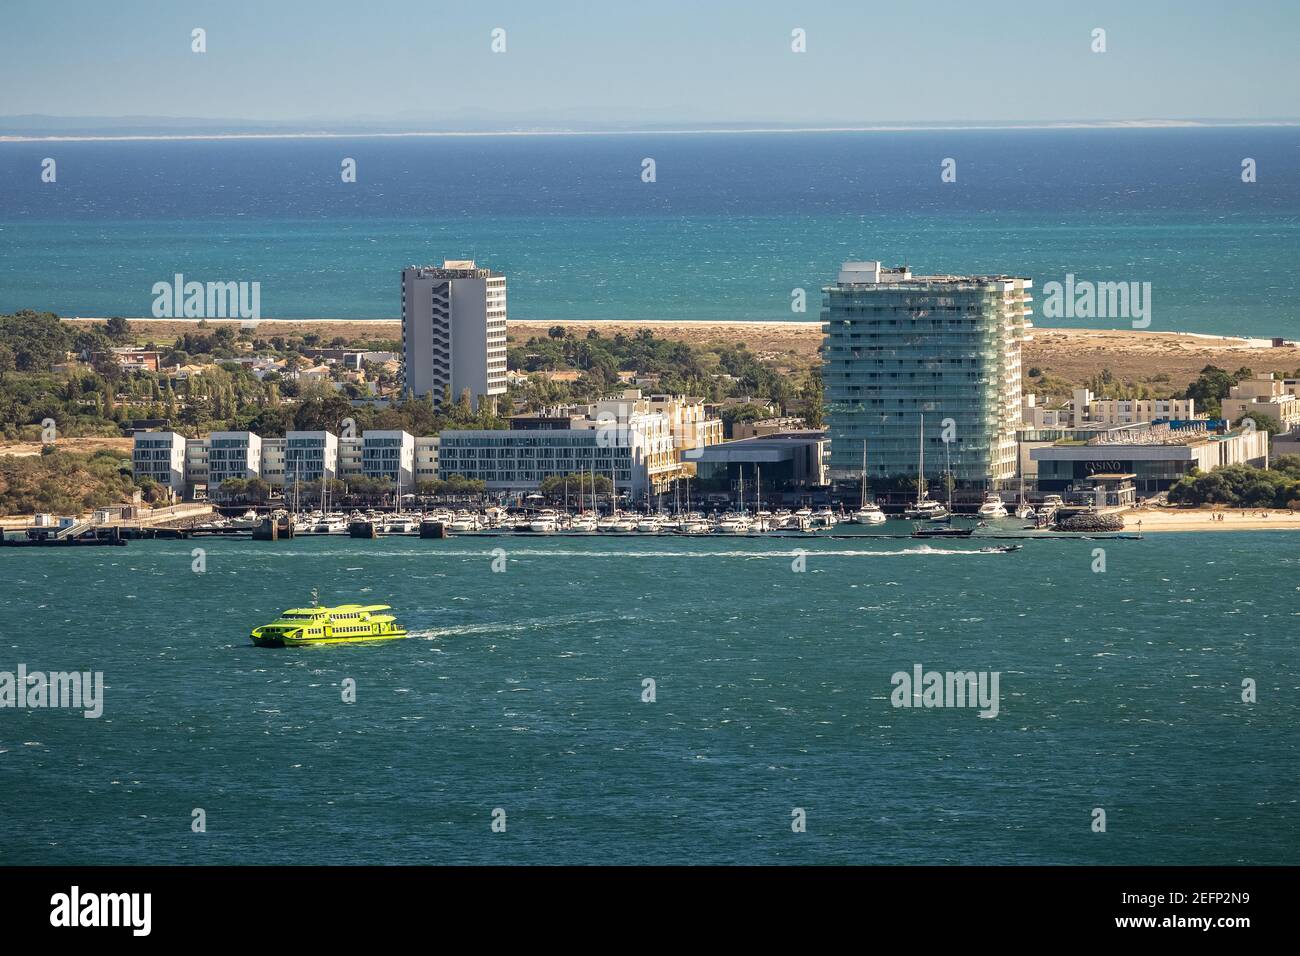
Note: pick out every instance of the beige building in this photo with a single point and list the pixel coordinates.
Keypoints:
(688, 422)
(1266, 395)
(1130, 411)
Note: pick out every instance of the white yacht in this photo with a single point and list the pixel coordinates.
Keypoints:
(544, 522)
(993, 506)
(248, 520)
(584, 523)
(869, 513)
(650, 524)
(734, 523)
(694, 524)
(824, 518)
(463, 523)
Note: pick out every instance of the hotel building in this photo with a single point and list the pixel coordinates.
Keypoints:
(453, 330)
(898, 347)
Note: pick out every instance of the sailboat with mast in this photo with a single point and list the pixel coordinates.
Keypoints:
(923, 508)
(1024, 510)
(868, 511)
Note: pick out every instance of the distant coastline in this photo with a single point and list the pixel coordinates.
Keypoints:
(370, 133)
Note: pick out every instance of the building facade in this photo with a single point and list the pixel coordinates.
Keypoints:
(453, 330)
(898, 347)
(634, 450)
(311, 456)
(426, 458)
(160, 456)
(1156, 456)
(233, 455)
(792, 461)
(1264, 395)
(389, 454)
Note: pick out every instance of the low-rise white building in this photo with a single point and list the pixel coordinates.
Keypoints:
(388, 454)
(160, 456)
(311, 456)
(233, 455)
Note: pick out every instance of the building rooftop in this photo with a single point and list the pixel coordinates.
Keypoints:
(454, 269)
(872, 272)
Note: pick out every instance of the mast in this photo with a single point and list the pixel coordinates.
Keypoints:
(920, 463)
(863, 503)
(947, 463)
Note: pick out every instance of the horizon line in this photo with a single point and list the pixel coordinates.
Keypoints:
(689, 131)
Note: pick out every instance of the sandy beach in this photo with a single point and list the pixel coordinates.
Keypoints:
(1204, 519)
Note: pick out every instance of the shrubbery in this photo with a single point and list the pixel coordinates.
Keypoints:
(1242, 486)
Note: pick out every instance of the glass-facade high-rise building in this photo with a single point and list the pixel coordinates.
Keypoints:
(898, 347)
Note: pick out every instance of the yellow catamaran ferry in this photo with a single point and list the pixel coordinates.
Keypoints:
(345, 624)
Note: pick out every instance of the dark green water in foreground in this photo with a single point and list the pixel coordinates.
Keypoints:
(522, 690)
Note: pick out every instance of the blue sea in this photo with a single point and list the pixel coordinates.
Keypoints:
(521, 691)
(732, 223)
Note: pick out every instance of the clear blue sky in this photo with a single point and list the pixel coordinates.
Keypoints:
(657, 60)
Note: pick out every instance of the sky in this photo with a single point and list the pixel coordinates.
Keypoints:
(654, 61)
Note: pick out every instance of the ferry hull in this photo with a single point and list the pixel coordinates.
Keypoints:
(281, 640)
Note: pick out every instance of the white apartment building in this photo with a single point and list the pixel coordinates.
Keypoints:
(632, 447)
(233, 455)
(160, 456)
(389, 454)
(454, 330)
(311, 456)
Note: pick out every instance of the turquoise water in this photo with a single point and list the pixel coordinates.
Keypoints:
(521, 690)
(732, 224)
